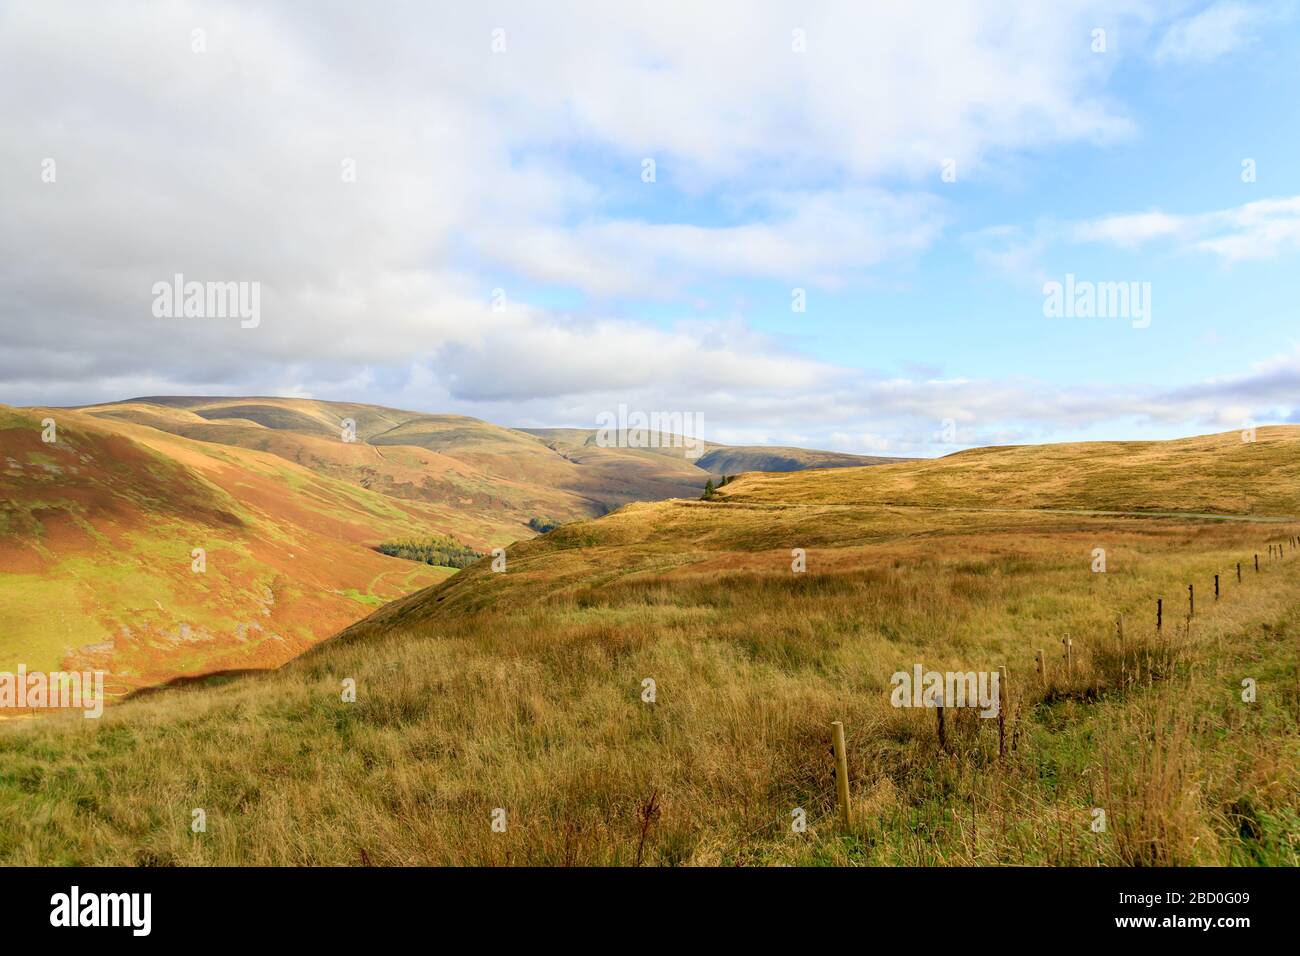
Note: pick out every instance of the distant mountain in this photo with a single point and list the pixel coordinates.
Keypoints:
(717, 459)
(288, 500)
(735, 459)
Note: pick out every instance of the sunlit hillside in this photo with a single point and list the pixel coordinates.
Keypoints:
(99, 531)
(486, 480)
(1212, 474)
(657, 686)
(287, 499)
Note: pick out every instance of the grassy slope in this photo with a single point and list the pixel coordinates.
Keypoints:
(523, 690)
(483, 482)
(1211, 473)
(98, 528)
(487, 480)
(97, 532)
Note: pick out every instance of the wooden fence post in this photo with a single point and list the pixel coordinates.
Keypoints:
(1238, 572)
(1003, 702)
(1041, 661)
(1257, 564)
(1191, 602)
(1160, 610)
(841, 772)
(1216, 587)
(943, 740)
(1069, 657)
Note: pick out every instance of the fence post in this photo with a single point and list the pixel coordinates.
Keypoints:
(1191, 602)
(1069, 657)
(1003, 702)
(1041, 661)
(1216, 587)
(841, 772)
(1160, 610)
(1257, 564)
(1238, 572)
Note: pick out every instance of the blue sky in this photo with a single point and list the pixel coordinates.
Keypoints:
(504, 149)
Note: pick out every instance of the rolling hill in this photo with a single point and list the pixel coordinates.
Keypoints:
(491, 479)
(97, 529)
(657, 686)
(717, 460)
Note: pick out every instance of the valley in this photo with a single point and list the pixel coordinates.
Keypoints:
(525, 690)
(169, 537)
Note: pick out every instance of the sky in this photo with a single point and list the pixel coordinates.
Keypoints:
(835, 225)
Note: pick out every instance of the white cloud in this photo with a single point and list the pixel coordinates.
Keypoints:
(1130, 231)
(226, 163)
(477, 170)
(1262, 229)
(803, 239)
(540, 357)
(1214, 32)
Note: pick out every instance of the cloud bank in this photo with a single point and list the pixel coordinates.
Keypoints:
(445, 207)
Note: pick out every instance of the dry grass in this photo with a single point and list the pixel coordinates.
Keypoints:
(523, 691)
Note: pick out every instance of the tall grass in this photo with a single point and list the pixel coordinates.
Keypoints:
(523, 691)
